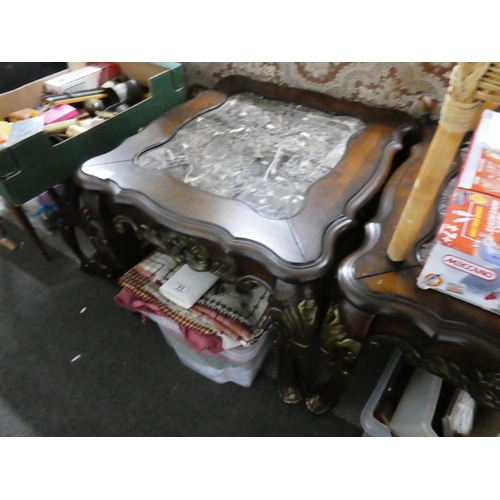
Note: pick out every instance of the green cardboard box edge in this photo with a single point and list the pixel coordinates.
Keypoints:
(34, 165)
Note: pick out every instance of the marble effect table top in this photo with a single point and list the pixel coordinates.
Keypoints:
(264, 152)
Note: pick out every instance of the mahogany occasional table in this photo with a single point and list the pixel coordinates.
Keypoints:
(380, 302)
(250, 181)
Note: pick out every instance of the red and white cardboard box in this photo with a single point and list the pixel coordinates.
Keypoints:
(465, 259)
(86, 78)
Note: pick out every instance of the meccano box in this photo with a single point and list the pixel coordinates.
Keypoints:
(465, 259)
(33, 165)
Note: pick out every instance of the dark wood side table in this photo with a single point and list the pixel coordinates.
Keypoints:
(380, 301)
(249, 181)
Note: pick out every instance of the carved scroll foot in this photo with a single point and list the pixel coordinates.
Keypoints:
(341, 352)
(296, 312)
(290, 384)
(326, 396)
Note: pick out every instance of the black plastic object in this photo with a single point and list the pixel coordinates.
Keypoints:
(129, 92)
(17, 74)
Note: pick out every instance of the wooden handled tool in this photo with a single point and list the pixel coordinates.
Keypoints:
(437, 161)
(6, 242)
(471, 85)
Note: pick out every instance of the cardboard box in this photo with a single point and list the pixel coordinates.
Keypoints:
(33, 165)
(465, 259)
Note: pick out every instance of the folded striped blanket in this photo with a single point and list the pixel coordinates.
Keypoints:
(223, 318)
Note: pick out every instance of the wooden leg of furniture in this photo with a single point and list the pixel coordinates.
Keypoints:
(340, 351)
(103, 263)
(290, 384)
(296, 311)
(86, 217)
(28, 227)
(67, 205)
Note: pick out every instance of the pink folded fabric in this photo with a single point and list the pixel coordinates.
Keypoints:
(201, 342)
(197, 340)
(129, 300)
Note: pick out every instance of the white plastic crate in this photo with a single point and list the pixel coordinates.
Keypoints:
(413, 416)
(415, 409)
(371, 426)
(239, 365)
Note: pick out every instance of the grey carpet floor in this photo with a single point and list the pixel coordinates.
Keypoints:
(126, 380)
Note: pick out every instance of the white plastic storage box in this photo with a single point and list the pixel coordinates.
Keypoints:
(239, 365)
(415, 412)
(413, 396)
(373, 427)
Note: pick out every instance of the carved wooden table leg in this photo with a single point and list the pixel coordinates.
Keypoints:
(297, 311)
(98, 227)
(341, 352)
(71, 218)
(88, 218)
